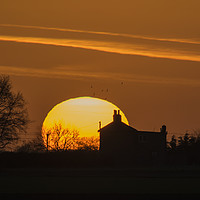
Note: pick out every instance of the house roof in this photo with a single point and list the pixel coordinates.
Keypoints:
(149, 132)
(125, 127)
(121, 125)
(118, 125)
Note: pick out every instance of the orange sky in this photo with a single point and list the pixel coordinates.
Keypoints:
(54, 50)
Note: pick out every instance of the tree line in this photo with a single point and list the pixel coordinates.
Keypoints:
(59, 139)
(184, 149)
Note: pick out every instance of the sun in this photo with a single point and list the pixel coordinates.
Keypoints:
(82, 114)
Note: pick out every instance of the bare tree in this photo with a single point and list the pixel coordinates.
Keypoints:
(88, 143)
(13, 113)
(58, 138)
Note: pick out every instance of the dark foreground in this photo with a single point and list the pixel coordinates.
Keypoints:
(88, 175)
(102, 183)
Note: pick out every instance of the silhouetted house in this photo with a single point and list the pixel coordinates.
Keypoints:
(124, 143)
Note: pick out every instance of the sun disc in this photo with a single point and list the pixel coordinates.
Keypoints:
(82, 114)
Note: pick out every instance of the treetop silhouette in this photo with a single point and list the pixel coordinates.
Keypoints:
(13, 113)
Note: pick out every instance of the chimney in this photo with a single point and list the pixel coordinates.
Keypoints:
(99, 125)
(117, 116)
(163, 129)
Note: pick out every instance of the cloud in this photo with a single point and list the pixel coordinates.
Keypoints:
(149, 50)
(59, 73)
(65, 73)
(176, 40)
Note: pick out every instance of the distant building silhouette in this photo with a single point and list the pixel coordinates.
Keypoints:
(124, 143)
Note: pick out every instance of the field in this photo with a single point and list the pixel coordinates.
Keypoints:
(179, 181)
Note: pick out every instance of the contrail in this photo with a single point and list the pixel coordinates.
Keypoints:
(110, 47)
(185, 41)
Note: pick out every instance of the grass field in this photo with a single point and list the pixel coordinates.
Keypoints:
(100, 181)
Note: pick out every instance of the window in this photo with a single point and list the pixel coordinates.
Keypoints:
(142, 138)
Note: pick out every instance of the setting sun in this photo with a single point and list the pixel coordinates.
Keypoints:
(73, 124)
(82, 114)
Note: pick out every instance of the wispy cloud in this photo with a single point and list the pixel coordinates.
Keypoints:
(112, 47)
(62, 73)
(176, 40)
(56, 73)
